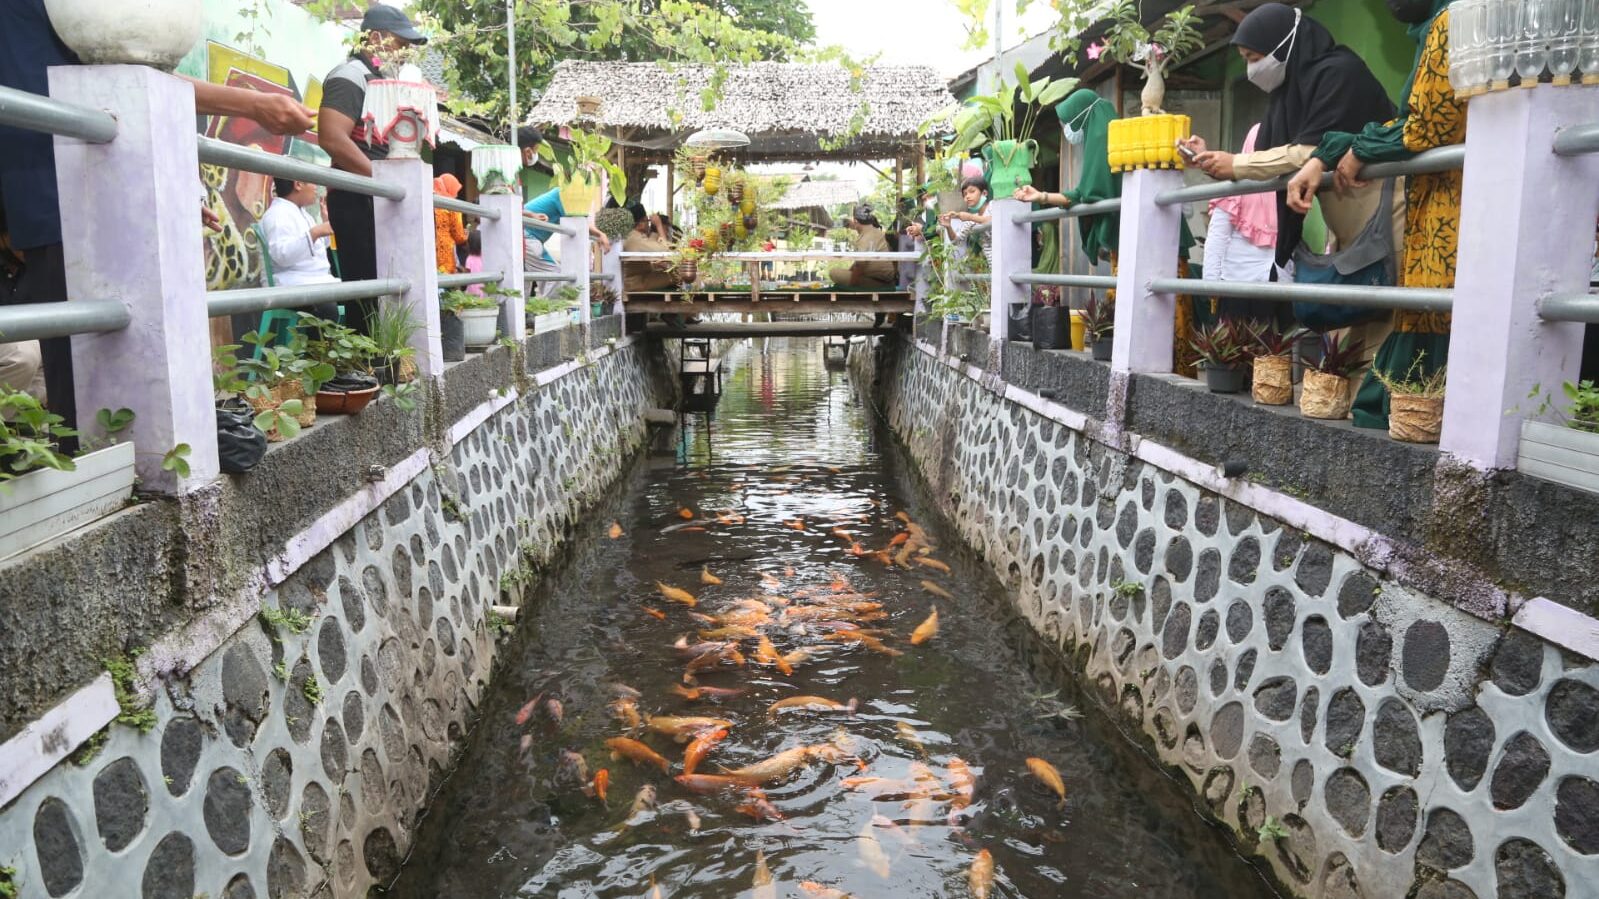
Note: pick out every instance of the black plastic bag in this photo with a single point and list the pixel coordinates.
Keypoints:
(240, 445)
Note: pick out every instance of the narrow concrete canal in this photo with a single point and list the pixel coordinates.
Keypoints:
(791, 519)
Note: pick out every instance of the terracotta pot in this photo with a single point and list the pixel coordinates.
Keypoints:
(344, 402)
(1415, 419)
(1325, 396)
(1274, 380)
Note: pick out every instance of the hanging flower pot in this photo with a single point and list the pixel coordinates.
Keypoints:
(1274, 380)
(154, 33)
(1010, 165)
(588, 105)
(1415, 419)
(688, 271)
(1325, 396)
(578, 194)
(495, 166)
(401, 114)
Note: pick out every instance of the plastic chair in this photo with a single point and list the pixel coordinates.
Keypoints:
(271, 318)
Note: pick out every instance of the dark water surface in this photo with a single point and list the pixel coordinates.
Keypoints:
(792, 443)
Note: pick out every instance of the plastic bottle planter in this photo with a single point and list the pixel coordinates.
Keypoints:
(1491, 41)
(402, 114)
(495, 167)
(1010, 165)
(578, 193)
(1147, 142)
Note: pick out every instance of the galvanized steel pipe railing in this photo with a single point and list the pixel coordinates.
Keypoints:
(1579, 307)
(1442, 159)
(1091, 282)
(455, 205)
(542, 277)
(1410, 299)
(40, 321)
(259, 299)
(1578, 140)
(233, 156)
(466, 279)
(1097, 207)
(32, 112)
(556, 227)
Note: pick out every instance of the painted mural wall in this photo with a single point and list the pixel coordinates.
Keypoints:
(264, 45)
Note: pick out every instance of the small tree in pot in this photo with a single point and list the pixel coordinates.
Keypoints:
(1415, 402)
(1099, 325)
(1223, 350)
(1327, 393)
(1273, 350)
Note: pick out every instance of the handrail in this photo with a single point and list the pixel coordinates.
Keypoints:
(1410, 299)
(41, 321)
(1442, 159)
(786, 255)
(1091, 282)
(1114, 204)
(541, 277)
(556, 227)
(1577, 307)
(259, 299)
(1577, 140)
(218, 152)
(467, 279)
(455, 205)
(32, 112)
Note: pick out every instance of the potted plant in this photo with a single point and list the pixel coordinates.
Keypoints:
(479, 316)
(1326, 393)
(579, 176)
(602, 297)
(282, 383)
(392, 329)
(1566, 453)
(1099, 325)
(43, 492)
(1052, 324)
(549, 313)
(1415, 402)
(989, 123)
(1273, 349)
(614, 222)
(349, 354)
(1223, 350)
(154, 33)
(1127, 41)
(843, 239)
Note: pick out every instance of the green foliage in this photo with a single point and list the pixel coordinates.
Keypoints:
(114, 422)
(404, 395)
(545, 305)
(1270, 340)
(89, 749)
(276, 365)
(1584, 396)
(393, 326)
(1127, 40)
(8, 882)
(281, 671)
(1099, 318)
(1128, 589)
(30, 436)
(1272, 830)
(1340, 356)
(312, 690)
(124, 682)
(1222, 345)
(176, 460)
(454, 301)
(281, 418)
(339, 346)
(994, 117)
(294, 620)
(497, 623)
(614, 222)
(1414, 382)
(587, 155)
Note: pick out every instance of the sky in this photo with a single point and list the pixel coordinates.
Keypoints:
(920, 32)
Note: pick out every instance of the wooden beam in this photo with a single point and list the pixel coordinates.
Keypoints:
(765, 329)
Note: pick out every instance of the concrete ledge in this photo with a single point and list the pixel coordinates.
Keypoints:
(1078, 382)
(477, 380)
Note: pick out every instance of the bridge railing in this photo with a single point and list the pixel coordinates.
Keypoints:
(136, 306)
(1530, 202)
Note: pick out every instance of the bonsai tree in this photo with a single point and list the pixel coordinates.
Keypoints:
(1128, 41)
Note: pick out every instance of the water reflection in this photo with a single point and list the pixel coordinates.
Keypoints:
(791, 501)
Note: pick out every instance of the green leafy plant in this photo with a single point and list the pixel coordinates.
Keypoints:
(496, 623)
(1268, 339)
(993, 117)
(291, 619)
(1272, 830)
(614, 222)
(1127, 589)
(30, 436)
(339, 346)
(545, 305)
(841, 235)
(404, 394)
(566, 293)
(1128, 41)
(312, 690)
(8, 882)
(283, 418)
(1415, 381)
(588, 157)
(227, 379)
(392, 328)
(176, 460)
(276, 365)
(1341, 356)
(1584, 396)
(454, 301)
(114, 422)
(134, 712)
(280, 670)
(1099, 318)
(1222, 345)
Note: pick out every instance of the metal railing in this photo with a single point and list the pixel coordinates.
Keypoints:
(216, 152)
(1579, 307)
(455, 205)
(555, 227)
(1097, 207)
(1410, 299)
(32, 112)
(1442, 159)
(260, 299)
(40, 321)
(1578, 140)
(467, 279)
(552, 277)
(1090, 282)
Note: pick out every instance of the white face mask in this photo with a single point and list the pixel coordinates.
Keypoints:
(1073, 130)
(1268, 72)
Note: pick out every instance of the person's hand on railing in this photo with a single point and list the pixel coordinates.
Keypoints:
(1303, 186)
(1347, 177)
(537, 216)
(1217, 164)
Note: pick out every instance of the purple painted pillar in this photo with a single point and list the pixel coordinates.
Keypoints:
(405, 250)
(1013, 255)
(1526, 232)
(575, 261)
(130, 229)
(611, 265)
(502, 252)
(1148, 250)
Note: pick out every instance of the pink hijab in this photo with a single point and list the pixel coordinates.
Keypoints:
(1254, 215)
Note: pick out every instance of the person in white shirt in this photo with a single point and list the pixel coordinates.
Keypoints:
(297, 243)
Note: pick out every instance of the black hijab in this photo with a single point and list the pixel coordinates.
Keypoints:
(1327, 88)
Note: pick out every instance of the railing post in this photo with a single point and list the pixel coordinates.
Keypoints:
(130, 231)
(1148, 247)
(502, 252)
(1526, 232)
(575, 261)
(1013, 254)
(611, 265)
(921, 284)
(404, 232)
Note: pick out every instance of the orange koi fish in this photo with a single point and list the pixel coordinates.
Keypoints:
(717, 693)
(686, 514)
(980, 879)
(926, 630)
(757, 806)
(1047, 773)
(797, 657)
(856, 550)
(797, 524)
(823, 891)
(653, 612)
(761, 887)
(616, 530)
(909, 737)
(702, 745)
(872, 643)
(937, 591)
(555, 710)
(636, 752)
(902, 516)
(843, 535)
(626, 710)
(963, 781)
(708, 579)
(932, 563)
(708, 783)
(810, 703)
(600, 783)
(730, 632)
(676, 594)
(767, 654)
(899, 538)
(694, 529)
(681, 728)
(526, 712)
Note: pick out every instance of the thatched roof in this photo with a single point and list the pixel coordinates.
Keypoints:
(785, 108)
(823, 194)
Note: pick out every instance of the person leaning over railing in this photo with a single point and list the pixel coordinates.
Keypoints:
(29, 46)
(1430, 117)
(1314, 86)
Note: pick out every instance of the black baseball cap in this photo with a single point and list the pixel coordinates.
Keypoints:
(392, 20)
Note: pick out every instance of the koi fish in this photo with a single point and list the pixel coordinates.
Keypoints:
(797, 524)
(822, 891)
(899, 538)
(701, 746)
(636, 752)
(694, 693)
(676, 594)
(865, 640)
(627, 711)
(555, 710)
(871, 851)
(883, 556)
(962, 781)
(927, 630)
(682, 728)
(693, 820)
(856, 550)
(572, 767)
(643, 801)
(762, 886)
(843, 535)
(902, 516)
(526, 712)
(527, 742)
(616, 530)
(729, 632)
(768, 653)
(653, 612)
(775, 768)
(810, 703)
(708, 783)
(980, 879)
(909, 737)
(708, 579)
(757, 806)
(692, 529)
(729, 518)
(1047, 773)
(937, 591)
(932, 563)
(686, 514)
(655, 890)
(797, 657)
(600, 783)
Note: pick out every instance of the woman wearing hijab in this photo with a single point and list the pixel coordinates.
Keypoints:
(448, 231)
(1085, 118)
(1430, 117)
(1241, 245)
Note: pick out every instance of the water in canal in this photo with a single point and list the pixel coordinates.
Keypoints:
(896, 798)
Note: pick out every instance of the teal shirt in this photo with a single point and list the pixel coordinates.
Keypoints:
(549, 203)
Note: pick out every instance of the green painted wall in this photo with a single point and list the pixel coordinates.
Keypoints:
(1370, 30)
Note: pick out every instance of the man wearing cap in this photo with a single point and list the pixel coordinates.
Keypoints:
(343, 135)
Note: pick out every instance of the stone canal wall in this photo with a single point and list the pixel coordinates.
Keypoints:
(1358, 707)
(289, 753)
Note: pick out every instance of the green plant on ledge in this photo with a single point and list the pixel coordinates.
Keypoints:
(124, 682)
(293, 619)
(1272, 830)
(1584, 396)
(8, 882)
(312, 690)
(30, 436)
(455, 301)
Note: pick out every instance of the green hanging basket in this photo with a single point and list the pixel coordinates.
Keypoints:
(1010, 165)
